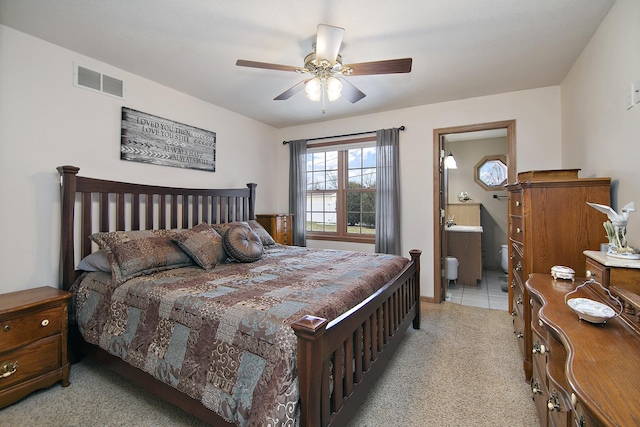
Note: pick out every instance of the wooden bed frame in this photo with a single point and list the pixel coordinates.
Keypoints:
(367, 335)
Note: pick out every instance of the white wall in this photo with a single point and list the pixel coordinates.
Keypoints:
(46, 122)
(599, 134)
(537, 115)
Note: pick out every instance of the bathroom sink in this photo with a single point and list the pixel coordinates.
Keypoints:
(465, 228)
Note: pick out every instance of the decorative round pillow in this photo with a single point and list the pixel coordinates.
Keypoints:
(242, 244)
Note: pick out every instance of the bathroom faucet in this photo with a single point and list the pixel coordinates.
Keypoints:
(450, 220)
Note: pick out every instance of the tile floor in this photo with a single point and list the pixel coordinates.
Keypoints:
(488, 293)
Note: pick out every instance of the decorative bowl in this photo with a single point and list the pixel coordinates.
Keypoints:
(561, 272)
(590, 310)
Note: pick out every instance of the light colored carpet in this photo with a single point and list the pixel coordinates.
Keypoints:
(463, 368)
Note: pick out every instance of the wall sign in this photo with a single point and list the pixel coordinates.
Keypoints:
(151, 139)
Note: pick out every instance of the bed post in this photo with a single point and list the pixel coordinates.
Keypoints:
(309, 330)
(252, 200)
(415, 257)
(67, 200)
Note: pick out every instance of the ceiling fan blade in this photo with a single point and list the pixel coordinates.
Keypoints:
(291, 91)
(390, 66)
(349, 91)
(328, 41)
(265, 65)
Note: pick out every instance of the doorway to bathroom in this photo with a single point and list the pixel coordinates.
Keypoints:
(479, 146)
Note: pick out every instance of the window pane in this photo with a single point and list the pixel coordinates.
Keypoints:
(368, 178)
(317, 181)
(317, 221)
(310, 181)
(332, 180)
(354, 203)
(369, 157)
(332, 160)
(355, 178)
(318, 161)
(355, 158)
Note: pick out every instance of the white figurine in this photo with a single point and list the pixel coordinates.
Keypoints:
(618, 220)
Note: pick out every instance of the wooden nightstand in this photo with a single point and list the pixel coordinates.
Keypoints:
(33, 342)
(280, 226)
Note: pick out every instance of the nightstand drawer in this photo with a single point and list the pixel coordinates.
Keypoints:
(32, 327)
(27, 362)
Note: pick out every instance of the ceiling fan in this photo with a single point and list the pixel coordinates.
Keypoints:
(326, 70)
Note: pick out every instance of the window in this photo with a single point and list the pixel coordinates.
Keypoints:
(341, 193)
(491, 172)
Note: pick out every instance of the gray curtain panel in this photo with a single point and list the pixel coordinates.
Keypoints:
(298, 189)
(388, 192)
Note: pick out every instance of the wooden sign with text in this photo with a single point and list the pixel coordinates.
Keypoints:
(151, 139)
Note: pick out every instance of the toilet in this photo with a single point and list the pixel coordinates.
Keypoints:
(505, 258)
(452, 270)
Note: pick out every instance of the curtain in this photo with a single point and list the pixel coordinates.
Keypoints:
(298, 189)
(388, 192)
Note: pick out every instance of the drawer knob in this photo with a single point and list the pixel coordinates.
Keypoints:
(574, 400)
(6, 328)
(539, 348)
(518, 230)
(45, 322)
(539, 322)
(589, 274)
(535, 388)
(553, 403)
(8, 368)
(517, 202)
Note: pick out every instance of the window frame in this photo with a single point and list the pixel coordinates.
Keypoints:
(342, 147)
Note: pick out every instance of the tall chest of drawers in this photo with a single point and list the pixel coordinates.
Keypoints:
(280, 226)
(33, 342)
(550, 224)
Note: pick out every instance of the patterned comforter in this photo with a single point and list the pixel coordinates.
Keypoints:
(223, 336)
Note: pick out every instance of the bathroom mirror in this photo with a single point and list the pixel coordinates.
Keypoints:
(490, 172)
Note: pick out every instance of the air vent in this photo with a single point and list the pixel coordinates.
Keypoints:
(96, 81)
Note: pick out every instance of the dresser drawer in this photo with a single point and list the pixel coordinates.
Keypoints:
(30, 361)
(22, 330)
(597, 272)
(516, 232)
(559, 410)
(515, 203)
(518, 328)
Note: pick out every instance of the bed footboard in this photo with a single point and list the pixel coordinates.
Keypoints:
(353, 349)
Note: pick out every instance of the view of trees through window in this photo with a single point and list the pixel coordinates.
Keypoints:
(341, 192)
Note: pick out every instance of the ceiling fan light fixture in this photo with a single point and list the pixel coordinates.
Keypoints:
(314, 89)
(334, 87)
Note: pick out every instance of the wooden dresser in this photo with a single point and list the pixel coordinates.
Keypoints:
(550, 224)
(584, 374)
(33, 342)
(280, 226)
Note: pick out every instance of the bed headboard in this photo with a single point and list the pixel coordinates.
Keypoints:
(91, 205)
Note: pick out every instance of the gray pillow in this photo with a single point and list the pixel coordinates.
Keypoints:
(97, 261)
(242, 244)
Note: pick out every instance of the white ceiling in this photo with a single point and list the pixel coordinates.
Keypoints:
(460, 48)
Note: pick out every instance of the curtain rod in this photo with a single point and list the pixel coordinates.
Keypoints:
(341, 136)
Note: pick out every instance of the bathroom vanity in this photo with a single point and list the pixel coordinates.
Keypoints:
(464, 242)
